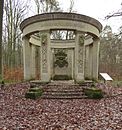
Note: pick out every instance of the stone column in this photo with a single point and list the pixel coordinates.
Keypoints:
(90, 60)
(95, 61)
(33, 61)
(79, 57)
(26, 57)
(86, 62)
(45, 57)
(51, 62)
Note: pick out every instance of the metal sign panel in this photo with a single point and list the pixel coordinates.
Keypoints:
(106, 76)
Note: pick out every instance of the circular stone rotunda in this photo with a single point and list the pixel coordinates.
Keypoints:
(61, 46)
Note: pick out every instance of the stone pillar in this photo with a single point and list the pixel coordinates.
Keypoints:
(51, 63)
(87, 62)
(79, 57)
(90, 61)
(26, 57)
(95, 61)
(45, 57)
(86, 53)
(33, 62)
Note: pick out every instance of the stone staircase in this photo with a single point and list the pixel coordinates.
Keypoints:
(63, 90)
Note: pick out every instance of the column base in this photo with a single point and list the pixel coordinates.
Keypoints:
(79, 77)
(45, 77)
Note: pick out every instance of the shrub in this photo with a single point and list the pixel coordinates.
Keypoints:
(93, 93)
(33, 93)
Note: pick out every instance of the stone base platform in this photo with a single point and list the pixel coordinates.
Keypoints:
(62, 89)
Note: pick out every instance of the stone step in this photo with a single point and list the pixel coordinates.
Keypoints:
(60, 90)
(70, 82)
(62, 93)
(63, 87)
(63, 97)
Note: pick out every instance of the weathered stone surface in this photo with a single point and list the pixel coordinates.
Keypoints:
(82, 50)
(62, 16)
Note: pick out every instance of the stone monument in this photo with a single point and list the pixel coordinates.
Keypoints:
(61, 45)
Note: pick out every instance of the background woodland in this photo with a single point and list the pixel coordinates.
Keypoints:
(16, 11)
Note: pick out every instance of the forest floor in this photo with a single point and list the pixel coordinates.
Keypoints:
(19, 113)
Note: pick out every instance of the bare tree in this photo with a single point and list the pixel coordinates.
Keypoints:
(110, 53)
(71, 5)
(37, 2)
(116, 14)
(14, 13)
(1, 22)
(45, 6)
(119, 13)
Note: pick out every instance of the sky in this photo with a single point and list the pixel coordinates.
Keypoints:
(97, 9)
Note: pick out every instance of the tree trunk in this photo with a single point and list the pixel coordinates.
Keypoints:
(1, 22)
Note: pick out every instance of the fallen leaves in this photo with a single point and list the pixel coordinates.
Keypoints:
(16, 112)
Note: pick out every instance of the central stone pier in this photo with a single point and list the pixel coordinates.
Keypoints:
(61, 46)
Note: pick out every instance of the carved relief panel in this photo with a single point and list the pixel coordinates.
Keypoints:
(44, 53)
(80, 54)
(63, 60)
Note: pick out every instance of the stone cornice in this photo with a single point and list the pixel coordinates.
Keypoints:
(61, 16)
